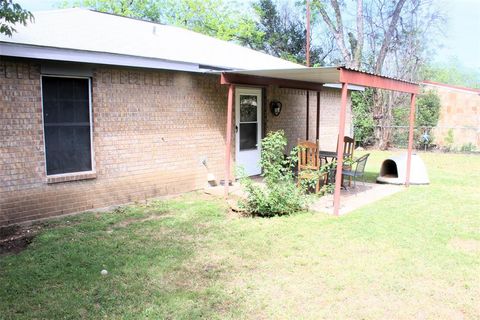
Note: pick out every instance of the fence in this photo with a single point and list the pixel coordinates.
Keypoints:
(462, 139)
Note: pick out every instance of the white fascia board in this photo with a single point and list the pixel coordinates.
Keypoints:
(71, 55)
(351, 87)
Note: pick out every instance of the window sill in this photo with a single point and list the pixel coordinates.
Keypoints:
(58, 178)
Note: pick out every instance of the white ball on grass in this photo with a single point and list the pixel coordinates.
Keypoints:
(104, 272)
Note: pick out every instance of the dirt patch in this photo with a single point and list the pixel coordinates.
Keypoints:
(470, 246)
(14, 239)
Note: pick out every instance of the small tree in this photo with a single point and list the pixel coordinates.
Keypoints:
(428, 109)
(279, 195)
(449, 141)
(363, 124)
(10, 14)
(426, 116)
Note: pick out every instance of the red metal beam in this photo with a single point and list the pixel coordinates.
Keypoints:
(341, 136)
(243, 79)
(410, 139)
(375, 81)
(228, 142)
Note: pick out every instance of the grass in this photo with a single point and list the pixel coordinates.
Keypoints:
(415, 254)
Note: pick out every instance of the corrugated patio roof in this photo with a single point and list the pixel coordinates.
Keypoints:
(314, 74)
(312, 78)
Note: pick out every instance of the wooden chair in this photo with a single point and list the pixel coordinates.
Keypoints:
(308, 161)
(348, 147)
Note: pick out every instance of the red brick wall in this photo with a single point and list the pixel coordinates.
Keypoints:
(293, 116)
(151, 130)
(460, 113)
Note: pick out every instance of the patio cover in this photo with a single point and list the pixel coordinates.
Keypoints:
(314, 79)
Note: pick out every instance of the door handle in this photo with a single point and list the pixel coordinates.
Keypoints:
(236, 129)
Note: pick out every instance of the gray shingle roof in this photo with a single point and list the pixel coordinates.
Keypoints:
(83, 30)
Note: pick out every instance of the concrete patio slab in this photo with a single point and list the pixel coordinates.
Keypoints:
(354, 198)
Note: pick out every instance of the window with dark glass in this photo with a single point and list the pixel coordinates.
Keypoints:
(248, 122)
(66, 118)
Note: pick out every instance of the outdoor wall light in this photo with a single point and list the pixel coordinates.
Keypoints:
(275, 107)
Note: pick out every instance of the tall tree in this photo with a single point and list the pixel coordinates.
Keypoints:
(386, 37)
(12, 13)
(217, 18)
(283, 33)
(351, 56)
(404, 57)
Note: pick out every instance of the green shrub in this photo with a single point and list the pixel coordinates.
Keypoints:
(468, 147)
(363, 123)
(428, 109)
(449, 141)
(279, 195)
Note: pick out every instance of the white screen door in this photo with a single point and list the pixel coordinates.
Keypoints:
(248, 128)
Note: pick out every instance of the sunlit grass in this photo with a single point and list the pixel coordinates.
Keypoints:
(415, 254)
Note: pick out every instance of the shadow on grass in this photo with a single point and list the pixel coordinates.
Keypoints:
(371, 176)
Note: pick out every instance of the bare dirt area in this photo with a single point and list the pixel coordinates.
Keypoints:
(14, 239)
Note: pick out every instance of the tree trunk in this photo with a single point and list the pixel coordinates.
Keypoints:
(383, 102)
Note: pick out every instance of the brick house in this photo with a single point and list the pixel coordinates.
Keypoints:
(459, 113)
(99, 110)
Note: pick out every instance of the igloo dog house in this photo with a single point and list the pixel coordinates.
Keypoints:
(394, 170)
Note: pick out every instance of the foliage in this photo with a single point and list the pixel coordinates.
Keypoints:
(428, 109)
(468, 147)
(363, 123)
(384, 37)
(449, 140)
(280, 194)
(452, 73)
(316, 175)
(426, 117)
(275, 167)
(283, 34)
(216, 18)
(12, 13)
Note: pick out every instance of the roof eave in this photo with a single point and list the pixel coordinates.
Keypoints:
(94, 57)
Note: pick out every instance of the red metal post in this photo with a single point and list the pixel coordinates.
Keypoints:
(228, 143)
(410, 138)
(318, 115)
(307, 48)
(308, 115)
(341, 135)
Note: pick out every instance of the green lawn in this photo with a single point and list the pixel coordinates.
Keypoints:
(413, 255)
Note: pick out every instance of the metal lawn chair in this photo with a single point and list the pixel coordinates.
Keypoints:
(359, 170)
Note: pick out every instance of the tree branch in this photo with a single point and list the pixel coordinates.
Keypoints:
(337, 31)
(357, 54)
(388, 36)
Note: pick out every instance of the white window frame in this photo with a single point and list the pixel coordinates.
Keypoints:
(90, 117)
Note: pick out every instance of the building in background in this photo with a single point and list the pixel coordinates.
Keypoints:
(459, 123)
